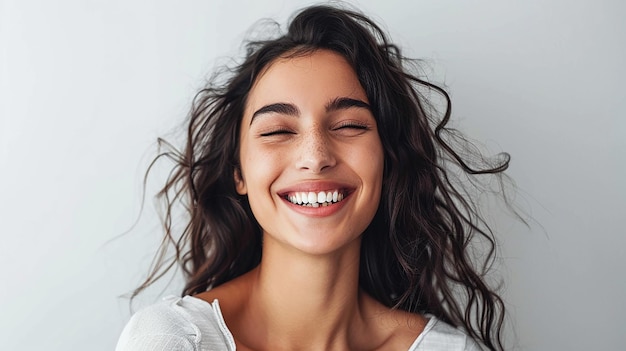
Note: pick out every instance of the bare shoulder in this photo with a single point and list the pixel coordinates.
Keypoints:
(405, 329)
(398, 328)
(231, 295)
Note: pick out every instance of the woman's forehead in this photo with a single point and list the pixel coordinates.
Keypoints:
(322, 74)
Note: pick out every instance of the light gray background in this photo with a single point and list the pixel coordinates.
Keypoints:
(87, 86)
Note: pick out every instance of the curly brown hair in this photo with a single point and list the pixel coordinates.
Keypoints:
(415, 254)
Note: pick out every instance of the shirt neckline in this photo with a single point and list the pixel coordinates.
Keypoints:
(214, 307)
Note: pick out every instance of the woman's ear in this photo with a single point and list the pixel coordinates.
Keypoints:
(240, 184)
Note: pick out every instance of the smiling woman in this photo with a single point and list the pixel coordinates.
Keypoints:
(323, 139)
(321, 213)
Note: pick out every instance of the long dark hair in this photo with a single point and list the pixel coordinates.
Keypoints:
(416, 253)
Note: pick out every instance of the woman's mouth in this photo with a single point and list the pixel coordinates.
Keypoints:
(316, 199)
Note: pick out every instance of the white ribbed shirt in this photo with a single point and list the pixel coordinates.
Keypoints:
(192, 324)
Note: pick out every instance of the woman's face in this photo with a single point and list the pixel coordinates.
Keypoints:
(311, 158)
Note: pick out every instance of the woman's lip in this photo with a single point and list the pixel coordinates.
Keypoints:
(321, 211)
(316, 186)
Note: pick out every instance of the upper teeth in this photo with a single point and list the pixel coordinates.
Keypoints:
(315, 199)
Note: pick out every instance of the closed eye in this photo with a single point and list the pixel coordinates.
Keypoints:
(276, 132)
(351, 128)
(352, 125)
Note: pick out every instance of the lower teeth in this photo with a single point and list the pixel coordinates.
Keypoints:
(323, 204)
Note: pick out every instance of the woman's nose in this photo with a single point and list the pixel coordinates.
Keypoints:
(314, 153)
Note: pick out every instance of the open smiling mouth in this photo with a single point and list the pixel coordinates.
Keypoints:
(316, 199)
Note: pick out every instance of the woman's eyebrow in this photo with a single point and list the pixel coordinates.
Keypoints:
(281, 108)
(342, 103)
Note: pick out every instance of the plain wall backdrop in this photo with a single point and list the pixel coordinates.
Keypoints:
(87, 86)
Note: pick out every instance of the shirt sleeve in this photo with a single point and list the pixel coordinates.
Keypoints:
(440, 336)
(157, 328)
(471, 345)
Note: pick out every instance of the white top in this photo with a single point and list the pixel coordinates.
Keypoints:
(192, 324)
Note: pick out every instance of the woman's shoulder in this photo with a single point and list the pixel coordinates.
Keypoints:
(179, 324)
(440, 336)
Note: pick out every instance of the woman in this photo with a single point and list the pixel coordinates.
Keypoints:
(321, 213)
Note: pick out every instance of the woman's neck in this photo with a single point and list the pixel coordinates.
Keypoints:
(305, 300)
